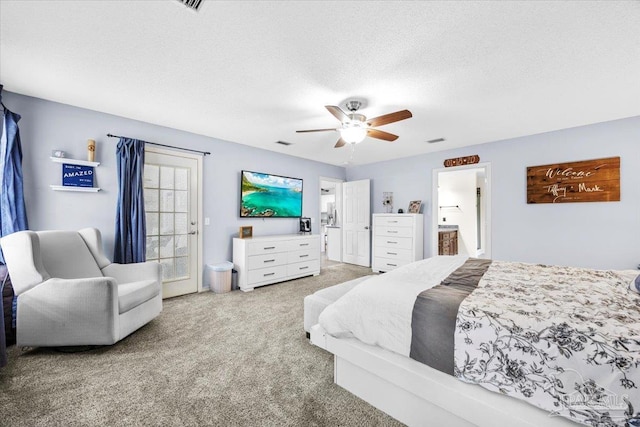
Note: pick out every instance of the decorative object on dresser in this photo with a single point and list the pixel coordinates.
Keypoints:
(414, 206)
(246, 232)
(448, 240)
(586, 181)
(387, 201)
(397, 240)
(305, 225)
(270, 259)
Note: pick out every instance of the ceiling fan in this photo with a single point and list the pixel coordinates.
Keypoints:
(355, 127)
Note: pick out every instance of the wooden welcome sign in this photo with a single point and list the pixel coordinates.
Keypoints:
(587, 181)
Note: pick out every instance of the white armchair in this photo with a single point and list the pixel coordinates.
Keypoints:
(70, 294)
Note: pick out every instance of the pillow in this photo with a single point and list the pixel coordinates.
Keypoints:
(634, 285)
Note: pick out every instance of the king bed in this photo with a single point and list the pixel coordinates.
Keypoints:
(451, 340)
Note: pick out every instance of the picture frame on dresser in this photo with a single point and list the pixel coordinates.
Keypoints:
(246, 232)
(414, 206)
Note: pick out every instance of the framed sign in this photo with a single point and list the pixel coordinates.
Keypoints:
(459, 161)
(246, 232)
(586, 181)
(77, 175)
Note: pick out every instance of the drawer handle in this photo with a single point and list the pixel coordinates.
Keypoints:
(269, 260)
(393, 222)
(391, 253)
(270, 247)
(392, 242)
(392, 231)
(392, 265)
(304, 256)
(303, 268)
(268, 274)
(304, 244)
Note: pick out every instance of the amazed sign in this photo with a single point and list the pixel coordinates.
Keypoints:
(587, 181)
(77, 175)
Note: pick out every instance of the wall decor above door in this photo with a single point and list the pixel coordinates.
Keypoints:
(595, 180)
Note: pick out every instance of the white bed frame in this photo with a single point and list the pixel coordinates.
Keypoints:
(418, 395)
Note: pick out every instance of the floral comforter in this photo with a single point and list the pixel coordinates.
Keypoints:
(564, 339)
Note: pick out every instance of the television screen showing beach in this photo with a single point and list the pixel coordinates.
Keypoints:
(265, 195)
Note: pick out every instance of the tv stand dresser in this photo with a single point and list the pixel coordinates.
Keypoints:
(264, 260)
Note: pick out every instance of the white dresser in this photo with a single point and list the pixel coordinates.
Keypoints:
(269, 259)
(397, 240)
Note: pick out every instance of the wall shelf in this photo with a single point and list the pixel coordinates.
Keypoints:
(79, 189)
(74, 161)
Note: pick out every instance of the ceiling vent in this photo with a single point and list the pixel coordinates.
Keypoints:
(283, 143)
(192, 4)
(433, 141)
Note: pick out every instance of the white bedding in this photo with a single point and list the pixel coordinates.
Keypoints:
(378, 311)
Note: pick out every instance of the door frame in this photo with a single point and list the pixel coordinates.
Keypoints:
(338, 203)
(199, 228)
(435, 205)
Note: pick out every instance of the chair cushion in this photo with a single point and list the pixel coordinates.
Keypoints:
(131, 295)
(65, 255)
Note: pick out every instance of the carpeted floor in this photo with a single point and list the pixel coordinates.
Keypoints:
(235, 359)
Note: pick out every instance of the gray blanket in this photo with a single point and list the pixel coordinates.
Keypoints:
(434, 315)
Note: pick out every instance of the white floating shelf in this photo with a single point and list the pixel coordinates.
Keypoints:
(74, 161)
(79, 189)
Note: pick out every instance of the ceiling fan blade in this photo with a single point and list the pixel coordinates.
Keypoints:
(390, 118)
(341, 143)
(375, 133)
(337, 112)
(315, 130)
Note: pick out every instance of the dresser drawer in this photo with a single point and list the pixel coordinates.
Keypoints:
(386, 264)
(306, 267)
(393, 221)
(393, 231)
(303, 255)
(392, 242)
(392, 253)
(304, 244)
(269, 274)
(259, 248)
(266, 260)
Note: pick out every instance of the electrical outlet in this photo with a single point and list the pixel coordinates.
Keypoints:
(206, 221)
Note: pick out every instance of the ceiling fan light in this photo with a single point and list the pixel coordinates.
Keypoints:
(353, 135)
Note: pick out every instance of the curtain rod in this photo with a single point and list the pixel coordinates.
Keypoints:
(204, 153)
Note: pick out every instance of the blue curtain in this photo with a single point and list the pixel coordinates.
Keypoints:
(131, 230)
(13, 215)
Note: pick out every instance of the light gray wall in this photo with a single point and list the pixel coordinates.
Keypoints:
(596, 235)
(47, 125)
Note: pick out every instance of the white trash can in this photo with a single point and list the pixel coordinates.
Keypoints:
(220, 277)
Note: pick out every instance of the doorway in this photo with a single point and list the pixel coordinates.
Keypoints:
(330, 221)
(462, 203)
(173, 200)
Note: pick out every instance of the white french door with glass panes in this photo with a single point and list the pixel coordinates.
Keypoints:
(172, 200)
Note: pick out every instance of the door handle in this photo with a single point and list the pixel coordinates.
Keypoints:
(366, 227)
(193, 232)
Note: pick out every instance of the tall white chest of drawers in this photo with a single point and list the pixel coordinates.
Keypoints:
(397, 240)
(264, 260)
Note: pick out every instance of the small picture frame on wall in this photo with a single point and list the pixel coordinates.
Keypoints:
(246, 232)
(414, 206)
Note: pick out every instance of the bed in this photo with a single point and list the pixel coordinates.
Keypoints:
(459, 341)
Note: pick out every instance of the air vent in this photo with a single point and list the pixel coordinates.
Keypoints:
(191, 4)
(284, 143)
(433, 141)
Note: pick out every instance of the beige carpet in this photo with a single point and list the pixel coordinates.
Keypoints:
(235, 359)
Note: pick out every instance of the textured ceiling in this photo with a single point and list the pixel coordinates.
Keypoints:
(254, 72)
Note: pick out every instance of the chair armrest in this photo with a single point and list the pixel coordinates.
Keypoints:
(69, 312)
(125, 273)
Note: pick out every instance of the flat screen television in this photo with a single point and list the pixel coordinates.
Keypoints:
(267, 195)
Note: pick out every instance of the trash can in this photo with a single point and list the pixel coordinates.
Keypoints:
(220, 277)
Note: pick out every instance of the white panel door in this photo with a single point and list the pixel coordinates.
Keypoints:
(171, 207)
(356, 222)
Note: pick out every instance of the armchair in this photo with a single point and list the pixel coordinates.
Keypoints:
(70, 294)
